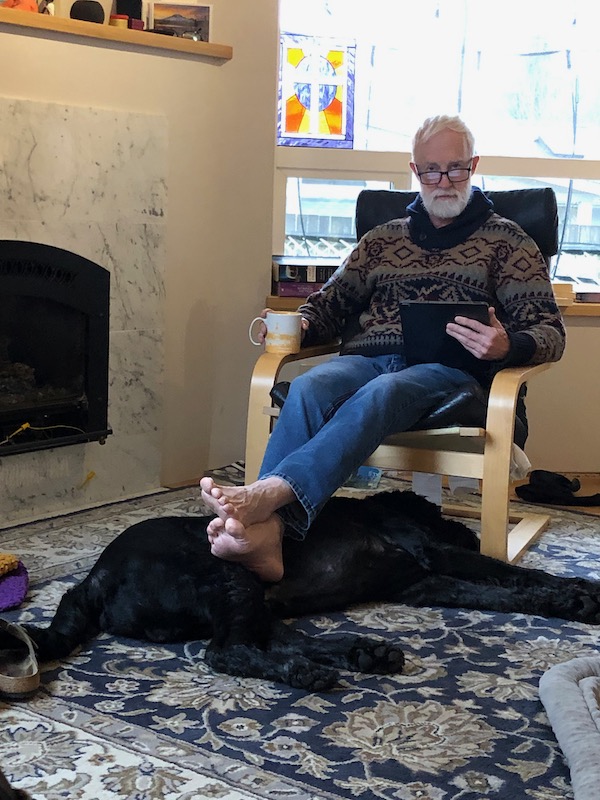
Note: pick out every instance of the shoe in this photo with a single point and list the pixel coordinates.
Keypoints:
(553, 489)
(19, 672)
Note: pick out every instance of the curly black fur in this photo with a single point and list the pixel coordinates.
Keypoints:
(157, 581)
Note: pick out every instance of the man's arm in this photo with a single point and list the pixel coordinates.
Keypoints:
(526, 326)
(345, 294)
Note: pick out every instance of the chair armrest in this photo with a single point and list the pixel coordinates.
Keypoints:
(499, 431)
(500, 422)
(264, 377)
(504, 393)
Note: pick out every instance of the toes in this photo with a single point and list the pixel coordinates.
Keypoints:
(206, 484)
(234, 527)
(312, 677)
(228, 509)
(215, 527)
(378, 658)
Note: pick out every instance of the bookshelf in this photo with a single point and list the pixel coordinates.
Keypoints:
(295, 277)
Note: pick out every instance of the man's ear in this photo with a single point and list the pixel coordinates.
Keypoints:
(474, 163)
(413, 166)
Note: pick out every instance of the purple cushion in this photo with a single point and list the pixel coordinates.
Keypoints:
(13, 587)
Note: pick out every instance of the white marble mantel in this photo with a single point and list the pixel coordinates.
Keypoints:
(93, 181)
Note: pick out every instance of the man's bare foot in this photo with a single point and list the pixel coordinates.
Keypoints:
(247, 504)
(257, 547)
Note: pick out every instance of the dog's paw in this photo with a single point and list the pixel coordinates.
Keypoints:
(588, 608)
(311, 677)
(377, 657)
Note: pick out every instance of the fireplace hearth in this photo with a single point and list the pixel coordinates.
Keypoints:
(54, 334)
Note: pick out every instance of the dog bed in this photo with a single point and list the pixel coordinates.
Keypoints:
(570, 693)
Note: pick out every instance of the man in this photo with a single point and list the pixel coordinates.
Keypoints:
(452, 246)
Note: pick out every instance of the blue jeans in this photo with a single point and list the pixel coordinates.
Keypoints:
(337, 414)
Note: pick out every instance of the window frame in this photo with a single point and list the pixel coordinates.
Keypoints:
(340, 165)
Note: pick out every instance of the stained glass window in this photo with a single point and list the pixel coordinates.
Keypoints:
(316, 100)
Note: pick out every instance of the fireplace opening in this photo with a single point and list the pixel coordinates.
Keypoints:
(54, 337)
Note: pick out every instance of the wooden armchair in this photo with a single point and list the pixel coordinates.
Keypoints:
(458, 447)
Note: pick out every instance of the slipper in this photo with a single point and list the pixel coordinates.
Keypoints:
(553, 489)
(19, 672)
(545, 480)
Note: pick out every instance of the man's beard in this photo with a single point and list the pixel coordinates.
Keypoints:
(441, 207)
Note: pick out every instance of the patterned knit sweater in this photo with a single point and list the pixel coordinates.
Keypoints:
(498, 264)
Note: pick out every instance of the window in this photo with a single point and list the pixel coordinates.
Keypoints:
(319, 215)
(522, 75)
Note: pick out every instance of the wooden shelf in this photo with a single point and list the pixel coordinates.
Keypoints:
(578, 309)
(27, 21)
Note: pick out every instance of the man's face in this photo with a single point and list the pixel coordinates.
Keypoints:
(444, 151)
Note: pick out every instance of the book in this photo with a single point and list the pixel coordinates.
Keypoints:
(587, 297)
(304, 269)
(295, 288)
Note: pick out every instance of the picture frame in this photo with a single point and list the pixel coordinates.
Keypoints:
(182, 19)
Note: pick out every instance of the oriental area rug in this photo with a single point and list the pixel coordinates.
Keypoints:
(125, 720)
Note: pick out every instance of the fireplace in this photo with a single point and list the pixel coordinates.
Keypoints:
(54, 323)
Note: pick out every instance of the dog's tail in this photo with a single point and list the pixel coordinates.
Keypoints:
(75, 622)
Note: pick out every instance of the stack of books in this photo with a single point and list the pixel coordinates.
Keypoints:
(299, 276)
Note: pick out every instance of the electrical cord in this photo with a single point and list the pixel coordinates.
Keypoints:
(27, 426)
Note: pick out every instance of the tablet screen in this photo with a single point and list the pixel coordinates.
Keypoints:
(424, 331)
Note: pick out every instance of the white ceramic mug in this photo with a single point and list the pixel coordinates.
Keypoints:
(284, 332)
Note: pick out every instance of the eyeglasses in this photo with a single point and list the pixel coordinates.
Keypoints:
(455, 175)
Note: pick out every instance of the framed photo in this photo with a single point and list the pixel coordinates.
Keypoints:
(190, 21)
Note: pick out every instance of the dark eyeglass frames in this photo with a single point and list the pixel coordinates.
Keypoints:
(455, 175)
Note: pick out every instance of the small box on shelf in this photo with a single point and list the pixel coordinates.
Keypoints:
(564, 294)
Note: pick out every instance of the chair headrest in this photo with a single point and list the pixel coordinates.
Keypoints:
(533, 209)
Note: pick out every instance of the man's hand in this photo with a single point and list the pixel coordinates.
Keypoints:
(486, 342)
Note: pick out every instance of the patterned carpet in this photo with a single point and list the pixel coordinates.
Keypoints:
(125, 720)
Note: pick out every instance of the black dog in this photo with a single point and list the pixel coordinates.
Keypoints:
(157, 581)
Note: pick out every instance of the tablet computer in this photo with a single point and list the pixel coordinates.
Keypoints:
(424, 331)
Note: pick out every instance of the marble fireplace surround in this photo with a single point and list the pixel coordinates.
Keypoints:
(93, 181)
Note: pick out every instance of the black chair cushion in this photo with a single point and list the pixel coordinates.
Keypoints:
(466, 406)
(534, 210)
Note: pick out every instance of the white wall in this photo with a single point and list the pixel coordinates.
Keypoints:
(219, 208)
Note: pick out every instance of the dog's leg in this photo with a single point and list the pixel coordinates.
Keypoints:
(531, 592)
(488, 583)
(244, 632)
(74, 623)
(343, 651)
(291, 668)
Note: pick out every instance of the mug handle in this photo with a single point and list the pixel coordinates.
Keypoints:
(256, 319)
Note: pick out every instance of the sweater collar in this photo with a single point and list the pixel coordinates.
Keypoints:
(427, 236)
